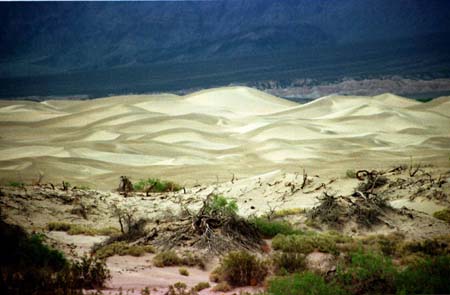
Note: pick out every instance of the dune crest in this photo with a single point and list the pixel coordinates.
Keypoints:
(214, 133)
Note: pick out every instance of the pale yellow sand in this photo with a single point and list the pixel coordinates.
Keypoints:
(214, 133)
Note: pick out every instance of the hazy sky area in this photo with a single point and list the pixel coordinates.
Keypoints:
(98, 48)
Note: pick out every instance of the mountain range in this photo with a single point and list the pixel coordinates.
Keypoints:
(234, 40)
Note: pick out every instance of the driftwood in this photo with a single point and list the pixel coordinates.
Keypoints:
(125, 186)
(365, 210)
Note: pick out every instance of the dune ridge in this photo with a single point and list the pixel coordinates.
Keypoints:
(214, 133)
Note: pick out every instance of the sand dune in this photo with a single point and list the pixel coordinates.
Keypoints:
(214, 133)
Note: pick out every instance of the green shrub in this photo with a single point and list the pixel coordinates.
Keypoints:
(240, 268)
(89, 273)
(222, 287)
(220, 205)
(270, 228)
(40, 255)
(443, 215)
(428, 276)
(179, 288)
(183, 271)
(288, 262)
(287, 212)
(171, 258)
(306, 284)
(304, 243)
(16, 184)
(167, 258)
(76, 229)
(156, 185)
(201, 286)
(28, 266)
(430, 247)
(367, 273)
(122, 248)
(350, 173)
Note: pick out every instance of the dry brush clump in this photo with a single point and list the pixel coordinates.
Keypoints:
(367, 206)
(172, 258)
(240, 268)
(215, 228)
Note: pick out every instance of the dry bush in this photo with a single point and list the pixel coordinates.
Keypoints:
(240, 268)
(171, 258)
(123, 248)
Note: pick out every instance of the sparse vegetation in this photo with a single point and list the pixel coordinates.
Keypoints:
(171, 258)
(287, 212)
(270, 228)
(215, 227)
(304, 283)
(201, 286)
(222, 287)
(179, 288)
(443, 215)
(288, 262)
(307, 243)
(39, 269)
(183, 271)
(89, 273)
(156, 185)
(426, 276)
(367, 273)
(240, 268)
(350, 173)
(221, 206)
(76, 229)
(16, 184)
(122, 248)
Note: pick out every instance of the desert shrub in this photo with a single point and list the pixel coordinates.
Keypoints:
(122, 248)
(179, 288)
(367, 273)
(350, 173)
(305, 283)
(270, 228)
(190, 259)
(201, 286)
(89, 273)
(183, 271)
(145, 291)
(167, 258)
(171, 258)
(156, 185)
(287, 212)
(429, 247)
(443, 215)
(427, 276)
(131, 227)
(240, 268)
(222, 287)
(305, 243)
(387, 244)
(28, 266)
(39, 254)
(222, 206)
(16, 184)
(288, 262)
(76, 229)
